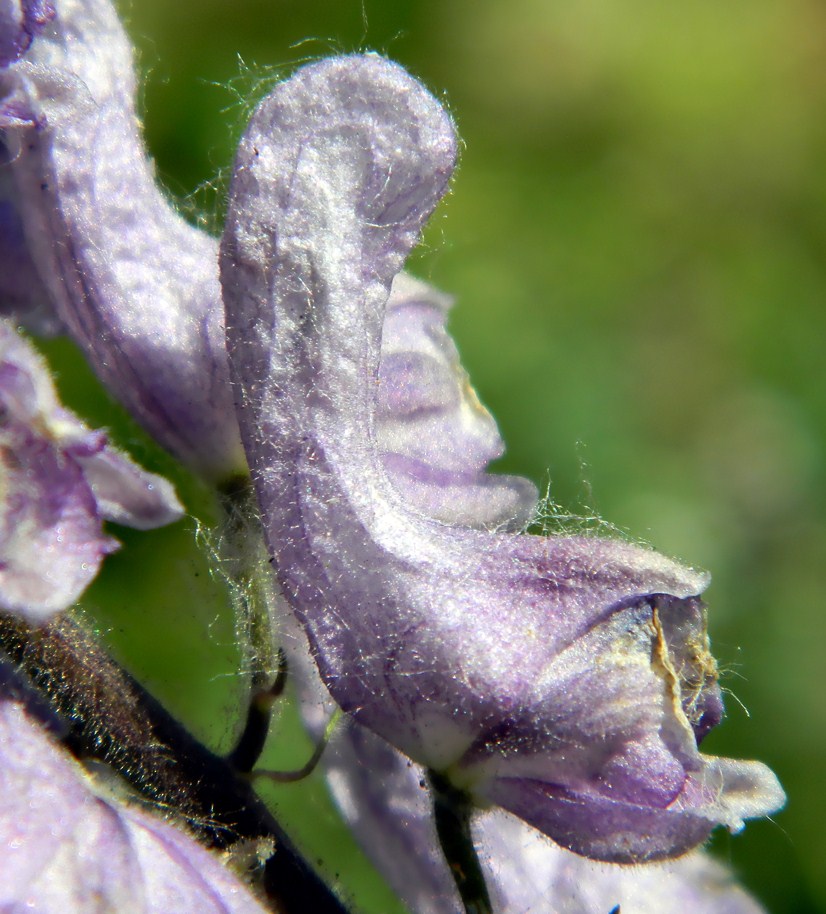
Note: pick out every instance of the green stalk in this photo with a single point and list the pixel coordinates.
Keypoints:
(242, 558)
(452, 810)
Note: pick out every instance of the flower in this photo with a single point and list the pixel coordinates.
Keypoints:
(566, 679)
(138, 287)
(135, 285)
(381, 797)
(59, 481)
(71, 846)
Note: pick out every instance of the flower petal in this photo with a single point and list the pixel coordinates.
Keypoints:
(434, 436)
(134, 283)
(58, 482)
(22, 293)
(51, 542)
(382, 797)
(128, 495)
(20, 21)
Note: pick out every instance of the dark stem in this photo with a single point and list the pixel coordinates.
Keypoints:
(110, 717)
(253, 737)
(452, 809)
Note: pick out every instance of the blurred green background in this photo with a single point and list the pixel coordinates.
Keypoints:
(637, 243)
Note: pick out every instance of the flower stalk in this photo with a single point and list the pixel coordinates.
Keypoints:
(452, 810)
(241, 557)
(116, 721)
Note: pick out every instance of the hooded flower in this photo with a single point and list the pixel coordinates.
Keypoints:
(70, 847)
(567, 679)
(138, 287)
(59, 481)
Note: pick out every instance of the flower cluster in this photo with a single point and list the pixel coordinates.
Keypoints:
(565, 680)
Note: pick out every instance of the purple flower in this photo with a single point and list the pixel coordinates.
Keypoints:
(59, 481)
(71, 846)
(566, 679)
(134, 283)
(381, 797)
(138, 287)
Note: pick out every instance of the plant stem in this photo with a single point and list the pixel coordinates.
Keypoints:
(452, 809)
(112, 718)
(253, 737)
(242, 558)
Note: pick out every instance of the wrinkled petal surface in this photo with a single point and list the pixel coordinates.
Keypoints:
(68, 848)
(433, 435)
(567, 678)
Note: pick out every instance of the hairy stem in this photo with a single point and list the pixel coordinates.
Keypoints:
(110, 717)
(251, 742)
(243, 560)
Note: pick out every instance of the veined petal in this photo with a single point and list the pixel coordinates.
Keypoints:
(381, 797)
(51, 541)
(433, 435)
(442, 639)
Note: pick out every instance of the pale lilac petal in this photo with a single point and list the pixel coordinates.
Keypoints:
(69, 848)
(22, 293)
(528, 874)
(385, 801)
(51, 541)
(128, 495)
(59, 481)
(434, 436)
(536, 671)
(20, 21)
(383, 798)
(134, 283)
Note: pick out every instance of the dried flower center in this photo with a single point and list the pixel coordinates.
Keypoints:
(681, 655)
